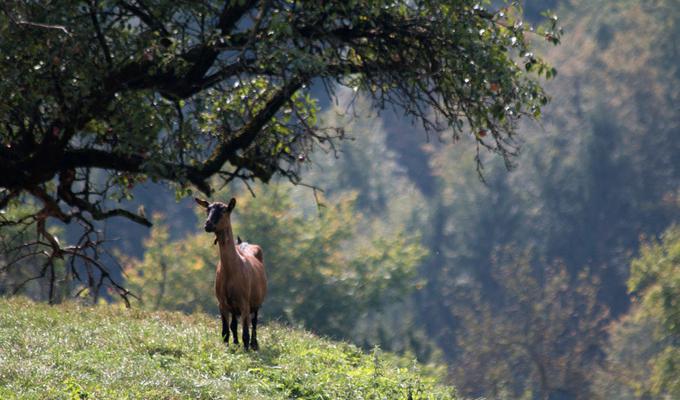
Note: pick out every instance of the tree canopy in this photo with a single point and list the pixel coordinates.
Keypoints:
(99, 96)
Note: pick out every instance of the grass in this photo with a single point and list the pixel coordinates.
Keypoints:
(77, 352)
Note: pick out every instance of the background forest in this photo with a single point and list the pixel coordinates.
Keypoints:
(558, 279)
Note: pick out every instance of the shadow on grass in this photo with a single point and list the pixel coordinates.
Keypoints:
(164, 351)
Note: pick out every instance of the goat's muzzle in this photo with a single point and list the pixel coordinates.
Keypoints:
(209, 227)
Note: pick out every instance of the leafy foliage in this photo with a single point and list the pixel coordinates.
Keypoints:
(173, 92)
(655, 279)
(70, 351)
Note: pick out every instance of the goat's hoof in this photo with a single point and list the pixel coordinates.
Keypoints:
(254, 346)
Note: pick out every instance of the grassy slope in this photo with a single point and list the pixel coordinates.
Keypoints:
(72, 351)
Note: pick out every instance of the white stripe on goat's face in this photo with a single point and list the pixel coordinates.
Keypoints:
(218, 215)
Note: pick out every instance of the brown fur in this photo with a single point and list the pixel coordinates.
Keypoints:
(240, 278)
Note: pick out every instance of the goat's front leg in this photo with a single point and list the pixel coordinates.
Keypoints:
(225, 327)
(234, 323)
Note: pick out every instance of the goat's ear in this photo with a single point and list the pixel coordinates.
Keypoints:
(231, 205)
(201, 202)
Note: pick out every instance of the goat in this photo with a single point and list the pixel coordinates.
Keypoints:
(240, 278)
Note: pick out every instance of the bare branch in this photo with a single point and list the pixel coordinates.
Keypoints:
(145, 15)
(98, 31)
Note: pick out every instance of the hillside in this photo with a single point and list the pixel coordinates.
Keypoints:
(77, 352)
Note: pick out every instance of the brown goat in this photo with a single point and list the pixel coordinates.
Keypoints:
(240, 279)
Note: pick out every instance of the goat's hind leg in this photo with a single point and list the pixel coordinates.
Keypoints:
(253, 339)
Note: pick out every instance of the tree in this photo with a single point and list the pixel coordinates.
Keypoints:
(538, 340)
(643, 356)
(101, 95)
(634, 341)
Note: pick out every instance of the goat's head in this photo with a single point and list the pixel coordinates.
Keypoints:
(218, 214)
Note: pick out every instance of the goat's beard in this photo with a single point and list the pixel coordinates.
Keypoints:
(219, 237)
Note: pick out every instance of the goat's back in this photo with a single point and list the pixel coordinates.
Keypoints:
(254, 260)
(252, 249)
(258, 284)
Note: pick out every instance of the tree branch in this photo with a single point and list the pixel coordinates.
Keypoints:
(64, 191)
(100, 35)
(21, 22)
(247, 134)
(94, 158)
(146, 17)
(232, 12)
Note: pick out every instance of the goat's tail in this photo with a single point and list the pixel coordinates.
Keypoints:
(257, 252)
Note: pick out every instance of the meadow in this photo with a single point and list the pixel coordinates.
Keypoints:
(73, 351)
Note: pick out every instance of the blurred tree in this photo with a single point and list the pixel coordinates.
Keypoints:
(468, 220)
(326, 273)
(628, 371)
(389, 200)
(537, 341)
(100, 96)
(614, 169)
(604, 168)
(365, 164)
(643, 356)
(655, 279)
(164, 281)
